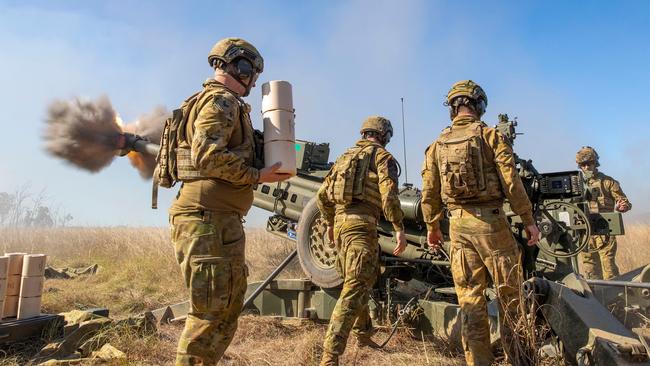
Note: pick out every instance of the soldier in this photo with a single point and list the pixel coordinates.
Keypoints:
(606, 195)
(362, 182)
(471, 169)
(215, 162)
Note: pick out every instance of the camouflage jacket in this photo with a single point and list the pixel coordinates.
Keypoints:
(500, 155)
(386, 169)
(605, 192)
(220, 136)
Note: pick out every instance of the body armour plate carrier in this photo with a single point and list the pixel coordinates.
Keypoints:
(174, 160)
(354, 177)
(467, 175)
(599, 200)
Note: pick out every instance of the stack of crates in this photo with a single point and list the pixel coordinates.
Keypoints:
(12, 295)
(31, 286)
(22, 285)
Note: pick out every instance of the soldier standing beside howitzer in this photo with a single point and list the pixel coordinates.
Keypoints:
(214, 160)
(362, 182)
(471, 169)
(605, 195)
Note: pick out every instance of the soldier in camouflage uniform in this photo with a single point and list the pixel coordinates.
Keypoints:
(471, 169)
(215, 162)
(606, 195)
(361, 184)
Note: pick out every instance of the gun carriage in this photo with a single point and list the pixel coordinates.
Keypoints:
(418, 285)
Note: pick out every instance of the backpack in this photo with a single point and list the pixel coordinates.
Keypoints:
(166, 173)
(460, 160)
(349, 175)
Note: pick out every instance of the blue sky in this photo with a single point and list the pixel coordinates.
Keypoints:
(575, 73)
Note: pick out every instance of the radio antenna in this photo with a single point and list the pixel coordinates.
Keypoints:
(406, 172)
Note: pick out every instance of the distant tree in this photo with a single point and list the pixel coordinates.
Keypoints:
(24, 209)
(6, 205)
(43, 217)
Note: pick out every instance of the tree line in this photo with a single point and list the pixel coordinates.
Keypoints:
(24, 208)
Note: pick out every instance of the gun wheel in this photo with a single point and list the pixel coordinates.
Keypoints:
(316, 254)
(565, 229)
(322, 250)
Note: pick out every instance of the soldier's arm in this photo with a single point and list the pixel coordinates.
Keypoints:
(326, 207)
(213, 128)
(617, 193)
(387, 174)
(511, 183)
(431, 198)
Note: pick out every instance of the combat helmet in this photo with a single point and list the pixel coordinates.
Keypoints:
(469, 89)
(229, 49)
(380, 125)
(587, 154)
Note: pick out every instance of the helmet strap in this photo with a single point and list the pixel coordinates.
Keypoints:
(231, 82)
(241, 68)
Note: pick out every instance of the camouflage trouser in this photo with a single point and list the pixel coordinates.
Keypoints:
(357, 264)
(210, 250)
(483, 246)
(601, 264)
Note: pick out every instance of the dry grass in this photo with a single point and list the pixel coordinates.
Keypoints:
(138, 272)
(633, 247)
(137, 269)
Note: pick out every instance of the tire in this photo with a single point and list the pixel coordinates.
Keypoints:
(316, 255)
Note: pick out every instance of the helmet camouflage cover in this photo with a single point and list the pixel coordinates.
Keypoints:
(378, 124)
(466, 88)
(229, 49)
(587, 154)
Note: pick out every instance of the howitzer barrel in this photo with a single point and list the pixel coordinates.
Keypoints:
(131, 142)
(410, 201)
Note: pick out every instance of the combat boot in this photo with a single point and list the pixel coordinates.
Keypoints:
(367, 342)
(329, 359)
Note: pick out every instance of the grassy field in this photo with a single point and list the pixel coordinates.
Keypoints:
(138, 272)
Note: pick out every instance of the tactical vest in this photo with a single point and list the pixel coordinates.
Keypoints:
(174, 160)
(354, 177)
(601, 200)
(467, 169)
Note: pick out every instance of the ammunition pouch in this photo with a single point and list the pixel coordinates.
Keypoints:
(184, 167)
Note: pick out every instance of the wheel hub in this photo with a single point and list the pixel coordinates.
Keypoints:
(322, 250)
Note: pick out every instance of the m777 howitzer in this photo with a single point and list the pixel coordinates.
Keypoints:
(417, 288)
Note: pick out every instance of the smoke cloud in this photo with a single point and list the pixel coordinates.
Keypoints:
(82, 132)
(149, 126)
(86, 134)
